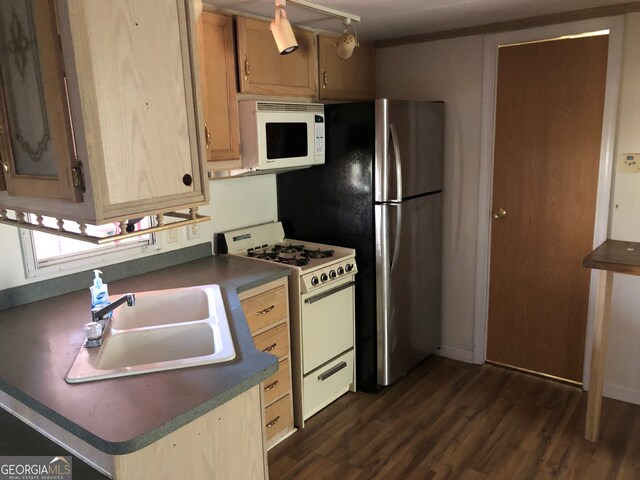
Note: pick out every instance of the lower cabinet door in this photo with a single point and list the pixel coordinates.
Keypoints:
(278, 417)
(325, 384)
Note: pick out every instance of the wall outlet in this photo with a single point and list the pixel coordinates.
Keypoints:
(193, 231)
(172, 235)
(629, 162)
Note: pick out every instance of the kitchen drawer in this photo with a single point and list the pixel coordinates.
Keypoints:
(265, 309)
(278, 417)
(278, 383)
(274, 341)
(327, 383)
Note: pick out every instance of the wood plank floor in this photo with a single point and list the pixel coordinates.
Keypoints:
(451, 420)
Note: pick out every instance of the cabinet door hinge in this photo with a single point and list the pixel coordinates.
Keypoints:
(77, 174)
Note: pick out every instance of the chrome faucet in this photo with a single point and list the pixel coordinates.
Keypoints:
(97, 313)
(96, 329)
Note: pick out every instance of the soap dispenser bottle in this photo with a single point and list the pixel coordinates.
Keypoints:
(99, 292)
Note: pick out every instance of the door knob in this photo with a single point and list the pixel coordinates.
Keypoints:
(498, 214)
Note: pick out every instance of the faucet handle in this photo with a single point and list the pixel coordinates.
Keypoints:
(93, 332)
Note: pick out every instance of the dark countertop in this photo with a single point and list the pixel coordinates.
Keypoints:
(39, 342)
(615, 256)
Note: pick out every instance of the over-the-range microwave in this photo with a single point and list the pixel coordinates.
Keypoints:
(279, 135)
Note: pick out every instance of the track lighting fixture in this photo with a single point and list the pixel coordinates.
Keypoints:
(282, 31)
(286, 41)
(347, 41)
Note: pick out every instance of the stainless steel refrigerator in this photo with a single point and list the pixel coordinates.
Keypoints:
(380, 192)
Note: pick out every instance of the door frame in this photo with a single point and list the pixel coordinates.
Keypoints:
(615, 25)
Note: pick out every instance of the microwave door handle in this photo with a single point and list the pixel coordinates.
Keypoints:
(398, 162)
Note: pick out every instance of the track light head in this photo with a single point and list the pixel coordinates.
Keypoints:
(347, 41)
(282, 31)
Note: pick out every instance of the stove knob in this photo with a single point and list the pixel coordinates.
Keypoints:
(314, 281)
(348, 267)
(323, 277)
(333, 274)
(340, 271)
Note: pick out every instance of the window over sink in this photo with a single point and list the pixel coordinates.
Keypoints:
(45, 254)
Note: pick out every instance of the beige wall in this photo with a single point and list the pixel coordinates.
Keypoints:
(451, 70)
(622, 375)
(234, 203)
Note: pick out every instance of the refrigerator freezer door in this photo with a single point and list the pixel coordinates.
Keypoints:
(409, 148)
(408, 279)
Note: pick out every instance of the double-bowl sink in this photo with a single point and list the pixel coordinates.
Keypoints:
(165, 330)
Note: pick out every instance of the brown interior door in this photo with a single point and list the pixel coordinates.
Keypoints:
(549, 109)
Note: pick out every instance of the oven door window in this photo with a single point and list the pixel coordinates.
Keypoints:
(287, 140)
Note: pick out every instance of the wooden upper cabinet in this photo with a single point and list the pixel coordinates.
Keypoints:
(350, 79)
(218, 87)
(132, 100)
(36, 143)
(261, 68)
(136, 85)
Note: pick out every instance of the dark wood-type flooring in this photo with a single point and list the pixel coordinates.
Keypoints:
(447, 419)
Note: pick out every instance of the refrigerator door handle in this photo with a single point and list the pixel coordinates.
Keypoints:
(398, 161)
(396, 237)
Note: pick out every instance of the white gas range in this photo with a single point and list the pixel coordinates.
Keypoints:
(321, 303)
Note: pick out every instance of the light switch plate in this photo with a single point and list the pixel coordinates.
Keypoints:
(629, 162)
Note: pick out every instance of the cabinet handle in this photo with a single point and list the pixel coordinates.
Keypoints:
(325, 78)
(327, 293)
(207, 134)
(332, 371)
(266, 310)
(271, 386)
(5, 166)
(247, 68)
(273, 422)
(270, 348)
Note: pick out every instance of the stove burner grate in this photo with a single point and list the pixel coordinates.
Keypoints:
(287, 248)
(315, 254)
(296, 261)
(263, 255)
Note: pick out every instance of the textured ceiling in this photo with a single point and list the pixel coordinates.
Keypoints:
(383, 19)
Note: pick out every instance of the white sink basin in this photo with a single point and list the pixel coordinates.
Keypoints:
(162, 307)
(165, 330)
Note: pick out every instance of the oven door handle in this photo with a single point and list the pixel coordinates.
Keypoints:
(322, 295)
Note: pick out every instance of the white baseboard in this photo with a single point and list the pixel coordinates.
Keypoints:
(630, 395)
(625, 394)
(455, 353)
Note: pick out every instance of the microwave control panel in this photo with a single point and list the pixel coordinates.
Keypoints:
(319, 133)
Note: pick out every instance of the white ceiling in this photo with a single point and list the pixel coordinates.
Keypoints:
(382, 19)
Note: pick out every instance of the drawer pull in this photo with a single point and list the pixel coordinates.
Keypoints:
(332, 371)
(271, 386)
(273, 422)
(266, 310)
(270, 348)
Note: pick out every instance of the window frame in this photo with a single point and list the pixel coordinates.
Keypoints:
(65, 264)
